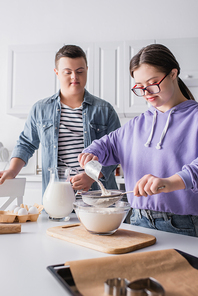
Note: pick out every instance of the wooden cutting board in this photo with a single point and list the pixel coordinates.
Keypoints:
(122, 241)
(10, 228)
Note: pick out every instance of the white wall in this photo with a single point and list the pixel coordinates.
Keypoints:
(66, 21)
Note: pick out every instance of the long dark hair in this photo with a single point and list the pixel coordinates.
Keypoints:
(162, 58)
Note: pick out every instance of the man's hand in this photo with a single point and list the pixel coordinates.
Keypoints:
(81, 182)
(16, 164)
(8, 174)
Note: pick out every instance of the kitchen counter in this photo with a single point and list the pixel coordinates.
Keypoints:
(24, 256)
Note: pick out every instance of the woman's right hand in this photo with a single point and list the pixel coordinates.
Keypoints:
(83, 158)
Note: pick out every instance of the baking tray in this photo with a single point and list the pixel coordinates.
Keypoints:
(63, 274)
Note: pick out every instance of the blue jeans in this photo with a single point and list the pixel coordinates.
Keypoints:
(180, 224)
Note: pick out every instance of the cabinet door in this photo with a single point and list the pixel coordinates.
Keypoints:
(133, 105)
(185, 51)
(89, 51)
(32, 77)
(109, 73)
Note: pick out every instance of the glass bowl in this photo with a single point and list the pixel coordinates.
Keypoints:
(101, 220)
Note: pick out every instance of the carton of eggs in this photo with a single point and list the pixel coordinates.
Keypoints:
(21, 214)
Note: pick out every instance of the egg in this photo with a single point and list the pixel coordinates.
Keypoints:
(17, 209)
(12, 207)
(33, 210)
(22, 212)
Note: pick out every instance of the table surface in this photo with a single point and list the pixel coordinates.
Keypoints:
(24, 256)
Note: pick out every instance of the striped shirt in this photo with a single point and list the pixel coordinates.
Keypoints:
(70, 140)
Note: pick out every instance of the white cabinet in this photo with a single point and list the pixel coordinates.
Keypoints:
(89, 51)
(185, 51)
(112, 80)
(32, 77)
(109, 73)
(133, 105)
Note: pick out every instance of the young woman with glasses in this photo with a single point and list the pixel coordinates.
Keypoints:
(157, 150)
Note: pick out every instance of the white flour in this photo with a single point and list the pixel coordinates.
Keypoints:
(105, 221)
(101, 202)
(105, 192)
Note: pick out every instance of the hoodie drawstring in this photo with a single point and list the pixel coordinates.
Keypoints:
(147, 144)
(159, 145)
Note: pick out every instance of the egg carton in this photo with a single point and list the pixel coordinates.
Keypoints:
(11, 217)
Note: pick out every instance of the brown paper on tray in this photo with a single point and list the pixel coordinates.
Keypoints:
(170, 268)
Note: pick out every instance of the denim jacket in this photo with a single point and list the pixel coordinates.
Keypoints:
(42, 127)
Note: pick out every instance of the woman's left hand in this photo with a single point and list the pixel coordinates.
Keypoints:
(149, 185)
(81, 182)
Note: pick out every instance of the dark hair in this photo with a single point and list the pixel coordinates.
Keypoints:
(162, 58)
(70, 51)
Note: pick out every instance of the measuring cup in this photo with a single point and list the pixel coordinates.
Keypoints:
(92, 169)
(98, 198)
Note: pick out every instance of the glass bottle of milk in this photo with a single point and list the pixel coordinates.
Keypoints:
(59, 195)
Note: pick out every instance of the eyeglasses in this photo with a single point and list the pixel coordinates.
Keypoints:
(152, 89)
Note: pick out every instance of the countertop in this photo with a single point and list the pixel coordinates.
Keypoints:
(24, 256)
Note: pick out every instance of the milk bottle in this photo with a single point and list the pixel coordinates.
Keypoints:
(59, 195)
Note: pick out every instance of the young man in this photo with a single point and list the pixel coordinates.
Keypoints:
(65, 124)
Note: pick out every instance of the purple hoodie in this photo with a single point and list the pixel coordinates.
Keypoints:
(161, 144)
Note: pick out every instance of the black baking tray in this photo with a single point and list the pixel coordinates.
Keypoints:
(63, 274)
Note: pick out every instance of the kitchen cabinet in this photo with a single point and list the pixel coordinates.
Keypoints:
(109, 73)
(185, 50)
(133, 105)
(112, 80)
(31, 75)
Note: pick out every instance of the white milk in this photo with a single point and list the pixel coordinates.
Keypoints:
(58, 199)
(101, 222)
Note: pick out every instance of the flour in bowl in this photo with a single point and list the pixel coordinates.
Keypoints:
(101, 222)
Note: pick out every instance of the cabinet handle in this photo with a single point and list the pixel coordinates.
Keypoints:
(38, 170)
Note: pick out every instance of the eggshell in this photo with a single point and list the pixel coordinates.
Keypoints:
(22, 211)
(33, 210)
(17, 209)
(12, 207)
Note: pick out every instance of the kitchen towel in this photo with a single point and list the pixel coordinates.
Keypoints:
(171, 269)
